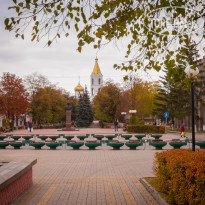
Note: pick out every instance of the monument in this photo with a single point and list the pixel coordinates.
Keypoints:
(68, 110)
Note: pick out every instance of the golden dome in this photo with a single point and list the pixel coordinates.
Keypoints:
(96, 68)
(79, 87)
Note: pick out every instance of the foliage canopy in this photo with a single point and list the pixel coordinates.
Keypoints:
(14, 99)
(145, 24)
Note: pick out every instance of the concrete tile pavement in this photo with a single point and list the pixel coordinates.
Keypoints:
(86, 177)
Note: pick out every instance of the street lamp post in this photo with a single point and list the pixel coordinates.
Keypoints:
(192, 74)
(123, 114)
(132, 112)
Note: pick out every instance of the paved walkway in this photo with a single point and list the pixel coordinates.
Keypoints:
(86, 177)
(102, 176)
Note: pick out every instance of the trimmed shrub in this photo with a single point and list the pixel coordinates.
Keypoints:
(181, 175)
(146, 129)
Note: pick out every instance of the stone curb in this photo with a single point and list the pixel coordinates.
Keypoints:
(153, 192)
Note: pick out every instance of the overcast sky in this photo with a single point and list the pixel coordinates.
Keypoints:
(60, 63)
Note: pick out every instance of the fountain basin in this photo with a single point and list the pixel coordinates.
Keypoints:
(75, 145)
(140, 136)
(53, 145)
(115, 145)
(3, 145)
(53, 137)
(92, 144)
(177, 144)
(127, 137)
(134, 144)
(99, 137)
(69, 137)
(16, 145)
(16, 137)
(201, 144)
(158, 144)
(156, 136)
(110, 137)
(3, 137)
(43, 137)
(37, 145)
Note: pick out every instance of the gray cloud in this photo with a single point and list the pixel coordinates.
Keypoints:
(61, 63)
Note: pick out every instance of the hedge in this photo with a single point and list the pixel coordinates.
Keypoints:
(181, 175)
(146, 129)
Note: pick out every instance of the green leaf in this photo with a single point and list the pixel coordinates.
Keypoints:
(81, 43)
(28, 6)
(17, 9)
(79, 49)
(77, 19)
(76, 27)
(6, 21)
(49, 10)
(34, 36)
(21, 4)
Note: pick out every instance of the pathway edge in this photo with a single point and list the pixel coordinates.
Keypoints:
(153, 192)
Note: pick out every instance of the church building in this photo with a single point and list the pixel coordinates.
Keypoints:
(96, 80)
(78, 90)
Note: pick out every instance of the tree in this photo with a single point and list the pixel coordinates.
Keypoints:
(84, 114)
(138, 95)
(146, 25)
(35, 81)
(88, 105)
(172, 97)
(107, 102)
(174, 94)
(48, 105)
(13, 96)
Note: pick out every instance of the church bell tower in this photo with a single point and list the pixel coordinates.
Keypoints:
(96, 80)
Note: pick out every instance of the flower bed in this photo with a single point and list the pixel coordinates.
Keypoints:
(181, 175)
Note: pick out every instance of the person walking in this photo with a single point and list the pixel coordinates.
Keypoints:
(116, 125)
(182, 130)
(30, 126)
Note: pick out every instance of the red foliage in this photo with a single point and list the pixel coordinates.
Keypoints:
(14, 99)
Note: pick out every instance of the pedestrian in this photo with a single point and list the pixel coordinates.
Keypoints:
(30, 126)
(182, 130)
(116, 125)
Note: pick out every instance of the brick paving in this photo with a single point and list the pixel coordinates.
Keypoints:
(101, 176)
(86, 176)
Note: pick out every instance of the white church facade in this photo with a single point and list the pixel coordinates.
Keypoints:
(96, 82)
